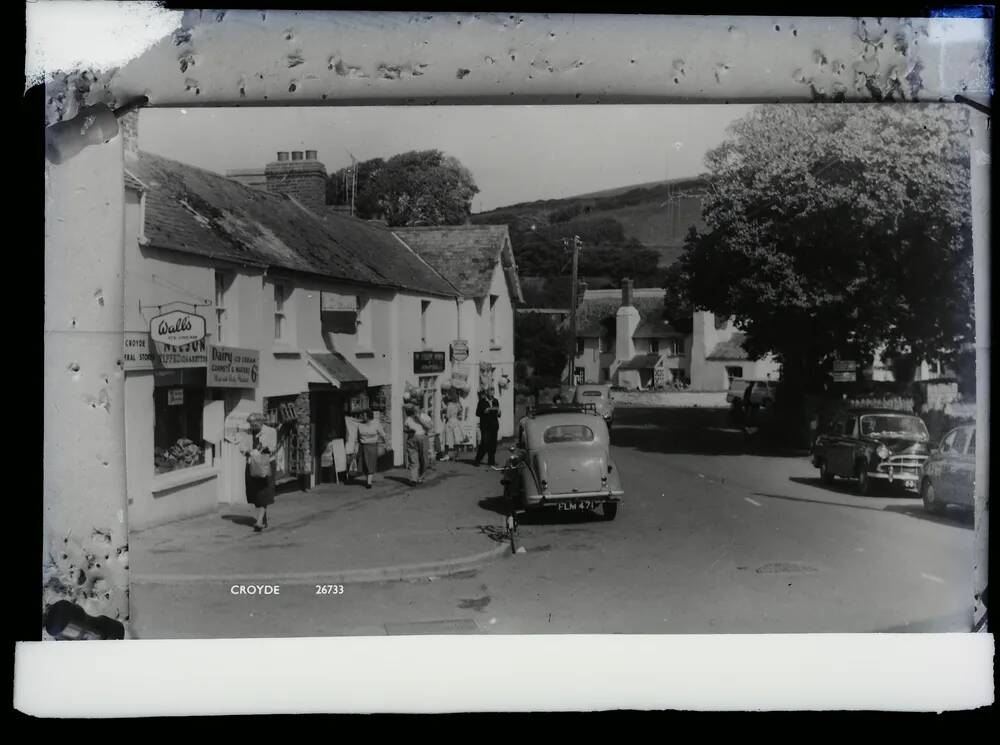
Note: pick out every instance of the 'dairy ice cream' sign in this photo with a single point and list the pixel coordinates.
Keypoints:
(231, 367)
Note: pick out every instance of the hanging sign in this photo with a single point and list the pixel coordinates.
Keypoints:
(231, 367)
(175, 397)
(460, 350)
(428, 363)
(178, 328)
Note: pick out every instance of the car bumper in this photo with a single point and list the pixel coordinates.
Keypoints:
(909, 481)
(594, 496)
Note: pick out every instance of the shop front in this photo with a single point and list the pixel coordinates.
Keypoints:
(173, 423)
(428, 369)
(344, 394)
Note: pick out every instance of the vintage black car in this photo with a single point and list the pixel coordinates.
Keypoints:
(871, 445)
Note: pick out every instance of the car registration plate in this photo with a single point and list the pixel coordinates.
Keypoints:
(578, 505)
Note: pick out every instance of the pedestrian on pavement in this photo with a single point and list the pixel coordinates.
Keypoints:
(258, 449)
(454, 435)
(428, 456)
(370, 434)
(488, 412)
(415, 436)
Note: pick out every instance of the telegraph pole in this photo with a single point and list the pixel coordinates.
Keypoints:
(572, 312)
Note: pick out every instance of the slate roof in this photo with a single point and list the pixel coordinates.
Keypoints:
(195, 211)
(732, 349)
(640, 362)
(466, 255)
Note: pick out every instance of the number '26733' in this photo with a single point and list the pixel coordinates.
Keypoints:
(329, 589)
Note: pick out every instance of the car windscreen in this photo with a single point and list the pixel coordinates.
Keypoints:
(887, 425)
(569, 433)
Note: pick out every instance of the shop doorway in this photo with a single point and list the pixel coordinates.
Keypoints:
(328, 428)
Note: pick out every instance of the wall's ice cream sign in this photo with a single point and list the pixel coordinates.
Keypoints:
(177, 328)
(230, 367)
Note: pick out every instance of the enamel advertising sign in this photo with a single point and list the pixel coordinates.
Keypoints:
(177, 328)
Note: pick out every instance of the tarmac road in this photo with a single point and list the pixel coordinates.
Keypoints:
(714, 537)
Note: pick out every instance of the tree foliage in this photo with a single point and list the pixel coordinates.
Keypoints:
(837, 230)
(540, 344)
(425, 187)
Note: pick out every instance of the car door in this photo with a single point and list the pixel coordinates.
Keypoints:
(963, 471)
(840, 460)
(941, 471)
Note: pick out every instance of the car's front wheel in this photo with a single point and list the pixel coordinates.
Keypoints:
(824, 472)
(864, 482)
(610, 509)
(931, 505)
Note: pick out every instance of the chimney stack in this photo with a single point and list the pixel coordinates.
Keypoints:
(303, 178)
(128, 125)
(626, 293)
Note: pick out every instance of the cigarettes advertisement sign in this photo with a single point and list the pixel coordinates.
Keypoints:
(232, 367)
(141, 353)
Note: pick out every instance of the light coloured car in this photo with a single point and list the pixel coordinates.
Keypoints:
(600, 397)
(950, 471)
(563, 461)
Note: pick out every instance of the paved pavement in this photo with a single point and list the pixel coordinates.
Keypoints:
(714, 537)
(334, 533)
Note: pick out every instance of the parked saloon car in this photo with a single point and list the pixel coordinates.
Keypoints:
(949, 473)
(600, 396)
(873, 444)
(563, 461)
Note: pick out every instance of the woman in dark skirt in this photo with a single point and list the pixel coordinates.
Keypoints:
(263, 441)
(370, 434)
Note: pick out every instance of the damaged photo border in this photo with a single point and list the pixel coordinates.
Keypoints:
(727, 59)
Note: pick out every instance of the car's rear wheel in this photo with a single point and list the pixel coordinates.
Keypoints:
(931, 505)
(610, 509)
(864, 482)
(824, 472)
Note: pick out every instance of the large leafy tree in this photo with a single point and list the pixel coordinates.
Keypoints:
(425, 187)
(835, 231)
(540, 345)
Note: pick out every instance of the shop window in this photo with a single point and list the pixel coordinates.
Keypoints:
(424, 308)
(494, 340)
(178, 410)
(280, 319)
(678, 374)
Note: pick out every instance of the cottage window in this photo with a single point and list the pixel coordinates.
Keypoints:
(654, 346)
(734, 372)
(580, 346)
(222, 284)
(424, 307)
(364, 323)
(280, 321)
(678, 374)
(675, 347)
(178, 407)
(493, 320)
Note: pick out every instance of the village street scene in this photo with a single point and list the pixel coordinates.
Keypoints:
(415, 371)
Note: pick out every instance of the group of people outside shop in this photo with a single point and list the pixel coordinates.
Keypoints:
(365, 437)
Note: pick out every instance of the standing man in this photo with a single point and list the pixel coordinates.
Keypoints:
(488, 412)
(415, 445)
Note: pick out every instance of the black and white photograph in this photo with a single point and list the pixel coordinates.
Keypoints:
(579, 366)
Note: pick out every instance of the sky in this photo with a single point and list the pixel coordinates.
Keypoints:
(515, 153)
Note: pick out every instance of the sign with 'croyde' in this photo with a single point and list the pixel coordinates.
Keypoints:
(231, 367)
(177, 328)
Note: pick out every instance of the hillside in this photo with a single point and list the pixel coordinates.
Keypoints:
(628, 222)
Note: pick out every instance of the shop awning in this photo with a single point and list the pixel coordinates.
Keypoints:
(337, 370)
